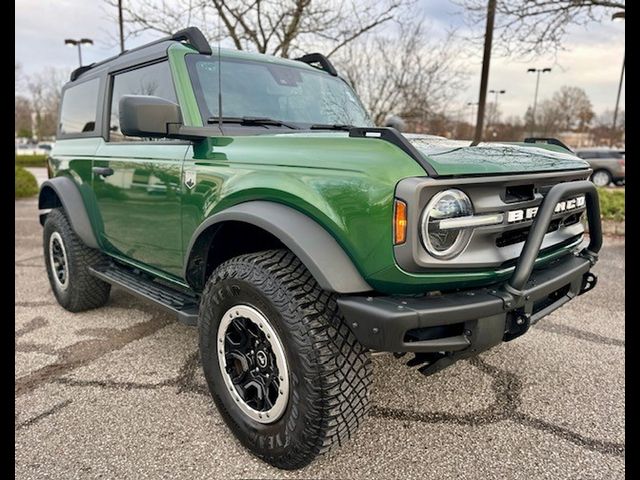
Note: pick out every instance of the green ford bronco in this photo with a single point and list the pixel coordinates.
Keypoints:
(252, 196)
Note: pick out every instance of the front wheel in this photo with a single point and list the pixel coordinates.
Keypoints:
(286, 373)
(601, 178)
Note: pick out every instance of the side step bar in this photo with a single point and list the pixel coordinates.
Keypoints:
(185, 306)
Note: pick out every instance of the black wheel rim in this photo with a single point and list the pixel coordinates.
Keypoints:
(253, 363)
(58, 261)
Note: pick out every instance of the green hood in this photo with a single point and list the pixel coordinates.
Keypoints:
(455, 157)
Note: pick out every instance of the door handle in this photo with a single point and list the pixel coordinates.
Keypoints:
(102, 171)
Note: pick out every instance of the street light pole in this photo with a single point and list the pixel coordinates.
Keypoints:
(615, 112)
(78, 43)
(472, 104)
(535, 95)
(495, 101)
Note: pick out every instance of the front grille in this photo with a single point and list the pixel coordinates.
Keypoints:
(512, 237)
(544, 251)
(520, 235)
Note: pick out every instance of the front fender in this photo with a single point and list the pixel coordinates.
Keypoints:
(312, 244)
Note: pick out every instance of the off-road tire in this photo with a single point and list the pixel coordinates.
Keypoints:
(330, 372)
(599, 177)
(83, 291)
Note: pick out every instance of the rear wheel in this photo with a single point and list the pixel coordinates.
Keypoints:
(287, 375)
(68, 260)
(601, 178)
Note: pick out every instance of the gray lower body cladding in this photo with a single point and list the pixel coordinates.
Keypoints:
(472, 320)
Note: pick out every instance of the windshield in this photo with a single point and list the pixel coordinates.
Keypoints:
(297, 96)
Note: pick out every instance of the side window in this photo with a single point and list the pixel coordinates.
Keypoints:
(586, 155)
(149, 80)
(79, 107)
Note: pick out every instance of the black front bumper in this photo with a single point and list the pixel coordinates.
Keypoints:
(460, 324)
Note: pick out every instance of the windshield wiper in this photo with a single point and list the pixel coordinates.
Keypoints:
(252, 121)
(330, 126)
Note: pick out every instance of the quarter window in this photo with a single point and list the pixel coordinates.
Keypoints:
(79, 107)
(152, 80)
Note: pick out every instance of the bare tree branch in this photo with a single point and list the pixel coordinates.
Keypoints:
(44, 91)
(526, 28)
(404, 74)
(279, 27)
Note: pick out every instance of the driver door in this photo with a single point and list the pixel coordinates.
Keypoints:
(137, 181)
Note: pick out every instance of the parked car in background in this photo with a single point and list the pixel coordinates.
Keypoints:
(43, 148)
(607, 165)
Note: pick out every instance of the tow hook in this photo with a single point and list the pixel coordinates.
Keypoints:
(589, 280)
(517, 324)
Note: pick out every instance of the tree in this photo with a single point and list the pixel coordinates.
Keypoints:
(602, 128)
(533, 27)
(277, 27)
(574, 108)
(492, 114)
(44, 89)
(569, 109)
(404, 73)
(19, 76)
(547, 120)
(23, 117)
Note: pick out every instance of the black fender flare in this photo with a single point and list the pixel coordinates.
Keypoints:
(63, 191)
(325, 259)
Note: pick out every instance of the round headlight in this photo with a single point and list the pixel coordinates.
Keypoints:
(446, 243)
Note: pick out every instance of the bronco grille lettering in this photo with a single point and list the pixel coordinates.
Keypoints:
(529, 213)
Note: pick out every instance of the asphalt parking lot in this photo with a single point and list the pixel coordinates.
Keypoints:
(118, 393)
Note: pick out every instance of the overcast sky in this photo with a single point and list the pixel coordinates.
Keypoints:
(592, 61)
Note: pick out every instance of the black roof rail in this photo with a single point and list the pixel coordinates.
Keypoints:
(192, 35)
(325, 64)
(80, 70)
(549, 140)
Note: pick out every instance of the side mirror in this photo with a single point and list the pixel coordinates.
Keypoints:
(147, 116)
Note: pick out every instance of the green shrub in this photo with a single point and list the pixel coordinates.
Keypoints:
(31, 160)
(611, 204)
(26, 184)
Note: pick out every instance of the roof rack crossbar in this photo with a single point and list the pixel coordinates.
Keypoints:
(192, 35)
(325, 64)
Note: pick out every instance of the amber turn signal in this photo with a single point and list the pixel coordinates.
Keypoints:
(399, 222)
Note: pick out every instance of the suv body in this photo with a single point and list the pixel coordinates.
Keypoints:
(297, 243)
(608, 165)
